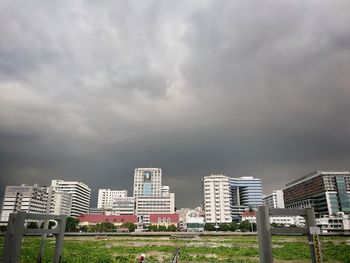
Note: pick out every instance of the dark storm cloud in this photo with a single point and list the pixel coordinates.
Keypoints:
(90, 91)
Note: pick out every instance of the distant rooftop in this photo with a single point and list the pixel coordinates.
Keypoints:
(314, 174)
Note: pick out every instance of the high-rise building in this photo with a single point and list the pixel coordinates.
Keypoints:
(216, 199)
(106, 197)
(80, 193)
(246, 193)
(147, 182)
(326, 192)
(225, 198)
(275, 199)
(248, 190)
(150, 196)
(60, 202)
(31, 199)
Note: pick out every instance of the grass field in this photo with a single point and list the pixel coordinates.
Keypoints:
(202, 249)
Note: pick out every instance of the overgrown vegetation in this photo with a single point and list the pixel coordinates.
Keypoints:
(244, 226)
(239, 249)
(156, 228)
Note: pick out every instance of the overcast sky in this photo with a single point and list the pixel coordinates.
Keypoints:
(91, 90)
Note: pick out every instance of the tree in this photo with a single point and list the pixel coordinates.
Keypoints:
(274, 224)
(224, 227)
(106, 227)
(172, 228)
(71, 224)
(129, 225)
(152, 228)
(209, 227)
(161, 228)
(244, 226)
(233, 226)
(254, 227)
(84, 229)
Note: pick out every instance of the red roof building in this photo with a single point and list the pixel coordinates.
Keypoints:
(86, 220)
(164, 219)
(250, 216)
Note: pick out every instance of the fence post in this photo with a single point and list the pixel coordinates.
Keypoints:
(59, 240)
(13, 239)
(264, 234)
(310, 221)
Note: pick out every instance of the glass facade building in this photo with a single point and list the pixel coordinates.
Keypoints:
(326, 192)
(247, 193)
(225, 198)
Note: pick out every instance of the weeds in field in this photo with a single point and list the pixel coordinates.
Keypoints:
(121, 249)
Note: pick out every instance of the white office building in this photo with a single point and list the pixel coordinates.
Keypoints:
(106, 197)
(225, 198)
(275, 199)
(31, 199)
(216, 199)
(60, 202)
(146, 205)
(123, 206)
(147, 182)
(150, 196)
(80, 193)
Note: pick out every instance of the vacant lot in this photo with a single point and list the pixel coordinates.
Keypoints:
(202, 249)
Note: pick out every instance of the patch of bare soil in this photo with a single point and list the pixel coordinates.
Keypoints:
(139, 244)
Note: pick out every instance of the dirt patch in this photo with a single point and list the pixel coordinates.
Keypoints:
(138, 244)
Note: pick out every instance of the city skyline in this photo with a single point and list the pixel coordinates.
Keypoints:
(90, 90)
(115, 191)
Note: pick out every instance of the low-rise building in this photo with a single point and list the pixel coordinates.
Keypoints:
(117, 220)
(195, 224)
(164, 219)
(339, 223)
(191, 219)
(287, 221)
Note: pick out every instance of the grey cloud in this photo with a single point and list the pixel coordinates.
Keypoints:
(89, 91)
